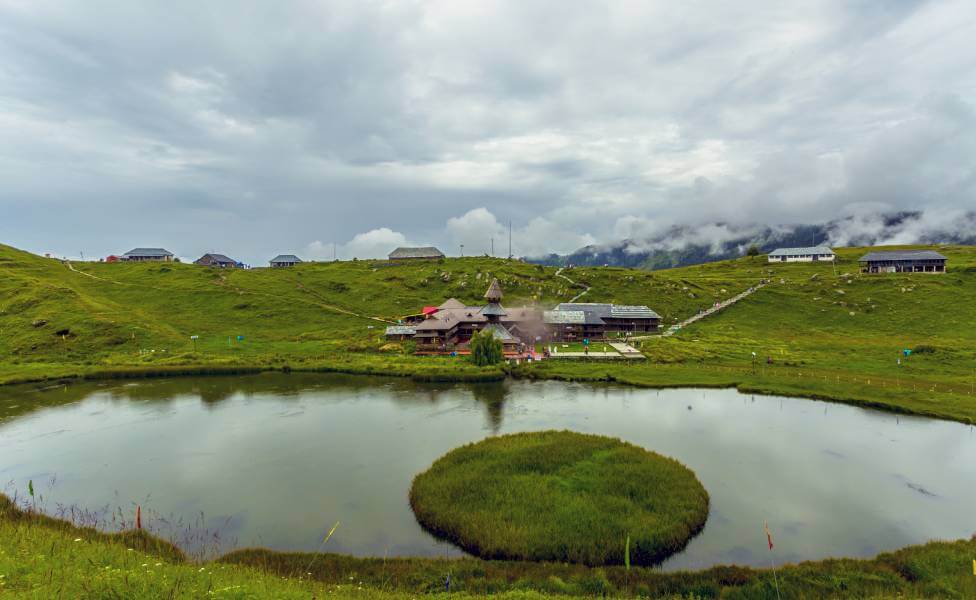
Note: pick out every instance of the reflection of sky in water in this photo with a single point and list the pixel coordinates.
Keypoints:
(276, 460)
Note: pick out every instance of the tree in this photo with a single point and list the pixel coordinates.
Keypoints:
(753, 250)
(485, 349)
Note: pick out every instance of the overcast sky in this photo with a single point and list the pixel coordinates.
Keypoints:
(257, 128)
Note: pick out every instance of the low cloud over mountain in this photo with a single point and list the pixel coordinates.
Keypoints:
(683, 245)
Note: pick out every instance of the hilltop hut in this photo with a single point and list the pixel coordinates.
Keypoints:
(148, 255)
(216, 260)
(814, 254)
(284, 260)
(409, 254)
(903, 261)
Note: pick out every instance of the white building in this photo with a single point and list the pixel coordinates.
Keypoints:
(814, 254)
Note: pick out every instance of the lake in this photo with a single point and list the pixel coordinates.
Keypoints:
(275, 460)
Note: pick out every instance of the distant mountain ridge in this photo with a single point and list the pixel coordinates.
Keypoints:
(684, 245)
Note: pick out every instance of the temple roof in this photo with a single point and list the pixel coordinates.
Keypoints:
(494, 293)
(493, 309)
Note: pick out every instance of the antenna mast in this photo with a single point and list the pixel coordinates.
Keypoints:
(509, 239)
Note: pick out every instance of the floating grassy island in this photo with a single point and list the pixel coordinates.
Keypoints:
(560, 496)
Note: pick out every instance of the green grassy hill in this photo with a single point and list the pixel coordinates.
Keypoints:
(107, 315)
(830, 331)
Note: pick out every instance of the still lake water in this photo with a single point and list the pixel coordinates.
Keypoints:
(275, 460)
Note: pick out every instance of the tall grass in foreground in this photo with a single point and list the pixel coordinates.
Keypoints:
(42, 557)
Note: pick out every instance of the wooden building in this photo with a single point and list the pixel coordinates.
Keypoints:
(148, 255)
(594, 321)
(451, 326)
(284, 260)
(814, 254)
(217, 260)
(903, 261)
(409, 254)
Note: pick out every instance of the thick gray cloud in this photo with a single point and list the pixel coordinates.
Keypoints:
(256, 128)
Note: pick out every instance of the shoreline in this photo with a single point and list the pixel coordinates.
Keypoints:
(519, 372)
(888, 573)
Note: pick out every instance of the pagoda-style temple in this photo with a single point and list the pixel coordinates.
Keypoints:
(451, 327)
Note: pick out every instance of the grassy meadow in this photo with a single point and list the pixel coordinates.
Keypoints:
(830, 332)
(41, 557)
(560, 496)
(827, 331)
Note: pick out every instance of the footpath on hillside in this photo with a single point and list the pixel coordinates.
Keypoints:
(559, 273)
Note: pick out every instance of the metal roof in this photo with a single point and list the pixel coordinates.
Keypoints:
(632, 312)
(801, 251)
(400, 330)
(500, 332)
(569, 317)
(600, 309)
(147, 252)
(493, 309)
(423, 252)
(902, 255)
(573, 317)
(286, 258)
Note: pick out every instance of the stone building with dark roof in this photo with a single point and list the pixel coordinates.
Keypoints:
(216, 260)
(903, 261)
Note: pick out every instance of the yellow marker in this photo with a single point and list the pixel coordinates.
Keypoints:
(974, 566)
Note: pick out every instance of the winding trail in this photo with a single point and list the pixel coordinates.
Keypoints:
(71, 267)
(559, 273)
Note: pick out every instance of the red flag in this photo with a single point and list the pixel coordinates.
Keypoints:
(769, 536)
(138, 517)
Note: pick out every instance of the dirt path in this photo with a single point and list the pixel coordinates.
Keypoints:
(559, 273)
(72, 268)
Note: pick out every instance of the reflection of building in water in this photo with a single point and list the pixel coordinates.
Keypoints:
(492, 396)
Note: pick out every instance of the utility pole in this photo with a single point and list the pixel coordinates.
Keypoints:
(509, 239)
(493, 247)
(333, 251)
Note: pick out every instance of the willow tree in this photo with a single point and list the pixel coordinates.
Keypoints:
(486, 349)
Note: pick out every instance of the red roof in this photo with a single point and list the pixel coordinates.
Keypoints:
(429, 310)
